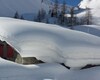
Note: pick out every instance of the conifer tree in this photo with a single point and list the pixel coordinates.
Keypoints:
(63, 11)
(16, 15)
(22, 17)
(55, 9)
(39, 16)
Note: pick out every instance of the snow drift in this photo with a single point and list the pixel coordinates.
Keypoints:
(50, 43)
(13, 71)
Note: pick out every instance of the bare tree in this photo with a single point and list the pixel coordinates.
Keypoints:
(71, 16)
(88, 16)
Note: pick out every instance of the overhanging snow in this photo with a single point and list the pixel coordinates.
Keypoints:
(50, 43)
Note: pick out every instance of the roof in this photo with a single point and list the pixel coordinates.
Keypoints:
(49, 43)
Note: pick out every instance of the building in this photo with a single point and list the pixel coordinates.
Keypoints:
(29, 42)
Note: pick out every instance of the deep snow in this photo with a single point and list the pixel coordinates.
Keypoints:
(13, 71)
(50, 43)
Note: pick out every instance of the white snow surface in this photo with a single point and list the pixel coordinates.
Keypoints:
(91, 29)
(8, 8)
(14, 71)
(50, 43)
(51, 71)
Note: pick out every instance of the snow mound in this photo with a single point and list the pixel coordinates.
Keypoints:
(13, 71)
(87, 74)
(50, 43)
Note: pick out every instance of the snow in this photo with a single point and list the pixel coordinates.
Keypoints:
(8, 8)
(91, 29)
(13, 71)
(87, 74)
(45, 71)
(50, 43)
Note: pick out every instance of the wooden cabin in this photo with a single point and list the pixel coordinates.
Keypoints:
(9, 53)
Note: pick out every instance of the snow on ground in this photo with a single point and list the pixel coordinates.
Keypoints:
(87, 74)
(10, 7)
(50, 43)
(13, 71)
(45, 71)
(91, 29)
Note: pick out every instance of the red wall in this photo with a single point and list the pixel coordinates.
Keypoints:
(1, 50)
(9, 52)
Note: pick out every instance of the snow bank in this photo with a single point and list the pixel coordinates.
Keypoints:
(87, 74)
(91, 29)
(13, 71)
(50, 43)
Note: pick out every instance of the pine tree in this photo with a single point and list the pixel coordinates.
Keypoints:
(55, 9)
(22, 17)
(16, 15)
(41, 1)
(63, 7)
(39, 16)
(63, 11)
(43, 13)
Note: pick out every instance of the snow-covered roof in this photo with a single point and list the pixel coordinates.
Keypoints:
(50, 43)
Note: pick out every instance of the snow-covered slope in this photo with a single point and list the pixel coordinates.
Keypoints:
(10, 7)
(91, 29)
(50, 43)
(94, 5)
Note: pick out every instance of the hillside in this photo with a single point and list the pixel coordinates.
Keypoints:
(10, 7)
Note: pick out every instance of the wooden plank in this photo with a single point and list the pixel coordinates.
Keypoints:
(10, 52)
(1, 50)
